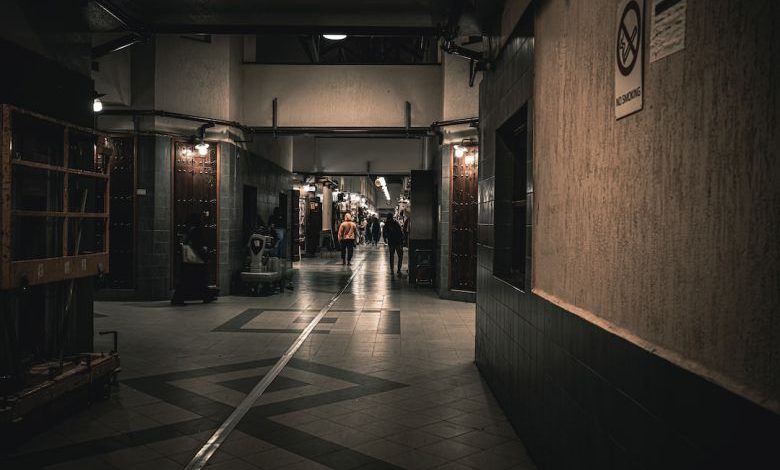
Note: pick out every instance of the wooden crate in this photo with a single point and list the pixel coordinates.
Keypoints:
(45, 166)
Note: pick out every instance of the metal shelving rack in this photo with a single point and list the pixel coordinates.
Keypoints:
(63, 263)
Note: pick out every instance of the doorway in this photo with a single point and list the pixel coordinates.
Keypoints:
(249, 220)
(195, 193)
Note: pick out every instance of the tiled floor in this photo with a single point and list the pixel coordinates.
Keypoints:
(386, 380)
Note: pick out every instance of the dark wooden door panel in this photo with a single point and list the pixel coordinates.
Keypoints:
(195, 192)
(463, 221)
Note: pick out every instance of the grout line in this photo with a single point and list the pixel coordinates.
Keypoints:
(221, 434)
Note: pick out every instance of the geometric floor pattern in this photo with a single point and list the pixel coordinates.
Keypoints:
(386, 380)
(280, 321)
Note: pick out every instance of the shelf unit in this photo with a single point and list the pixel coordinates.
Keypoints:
(54, 184)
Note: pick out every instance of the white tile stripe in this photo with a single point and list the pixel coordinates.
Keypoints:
(221, 434)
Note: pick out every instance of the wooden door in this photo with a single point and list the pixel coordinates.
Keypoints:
(195, 191)
(463, 221)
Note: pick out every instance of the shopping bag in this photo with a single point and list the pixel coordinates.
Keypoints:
(190, 256)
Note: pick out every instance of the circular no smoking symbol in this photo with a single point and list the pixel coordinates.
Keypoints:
(629, 38)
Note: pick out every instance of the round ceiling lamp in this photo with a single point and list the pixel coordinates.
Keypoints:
(334, 37)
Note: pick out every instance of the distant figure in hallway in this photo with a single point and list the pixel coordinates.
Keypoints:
(375, 230)
(394, 237)
(362, 232)
(347, 235)
(276, 223)
(192, 282)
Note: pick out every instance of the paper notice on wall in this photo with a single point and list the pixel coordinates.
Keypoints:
(667, 30)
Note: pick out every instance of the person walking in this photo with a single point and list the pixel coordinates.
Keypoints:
(192, 282)
(276, 223)
(346, 235)
(362, 231)
(376, 229)
(394, 237)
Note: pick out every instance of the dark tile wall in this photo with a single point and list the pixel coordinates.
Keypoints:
(578, 395)
(442, 175)
(239, 168)
(153, 218)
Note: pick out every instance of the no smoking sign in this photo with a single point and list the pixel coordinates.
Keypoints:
(629, 45)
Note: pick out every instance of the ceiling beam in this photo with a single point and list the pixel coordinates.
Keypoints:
(394, 31)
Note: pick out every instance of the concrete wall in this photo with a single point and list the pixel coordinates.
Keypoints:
(342, 95)
(198, 78)
(382, 204)
(666, 222)
(114, 75)
(278, 150)
(625, 353)
(352, 155)
(458, 99)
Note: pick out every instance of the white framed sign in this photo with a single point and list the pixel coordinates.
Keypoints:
(667, 30)
(629, 48)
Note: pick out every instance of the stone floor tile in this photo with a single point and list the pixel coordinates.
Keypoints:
(413, 438)
(481, 439)
(274, 458)
(131, 456)
(488, 459)
(89, 463)
(359, 398)
(449, 449)
(446, 429)
(382, 448)
(416, 459)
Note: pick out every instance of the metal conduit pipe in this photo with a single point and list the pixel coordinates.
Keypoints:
(411, 132)
(168, 114)
(474, 121)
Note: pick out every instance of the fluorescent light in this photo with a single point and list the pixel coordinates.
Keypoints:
(335, 37)
(97, 105)
(470, 159)
(459, 151)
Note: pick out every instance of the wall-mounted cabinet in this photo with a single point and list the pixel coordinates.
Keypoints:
(54, 205)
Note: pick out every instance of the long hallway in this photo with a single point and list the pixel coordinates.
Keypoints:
(386, 379)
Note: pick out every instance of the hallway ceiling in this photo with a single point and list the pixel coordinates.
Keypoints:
(265, 16)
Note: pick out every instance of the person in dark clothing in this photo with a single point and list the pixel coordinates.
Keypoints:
(375, 230)
(192, 282)
(276, 223)
(394, 236)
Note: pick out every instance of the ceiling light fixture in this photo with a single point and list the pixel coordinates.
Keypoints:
(334, 37)
(203, 149)
(202, 146)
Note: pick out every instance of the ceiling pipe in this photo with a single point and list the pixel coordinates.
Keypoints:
(172, 115)
(116, 45)
(114, 12)
(387, 132)
(375, 131)
(138, 33)
(270, 29)
(472, 121)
